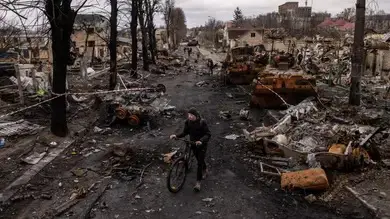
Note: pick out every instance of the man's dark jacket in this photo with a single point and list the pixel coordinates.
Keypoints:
(197, 130)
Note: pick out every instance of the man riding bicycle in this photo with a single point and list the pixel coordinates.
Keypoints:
(199, 133)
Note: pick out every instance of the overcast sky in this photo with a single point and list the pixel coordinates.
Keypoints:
(197, 11)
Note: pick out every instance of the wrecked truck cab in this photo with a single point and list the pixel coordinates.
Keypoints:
(242, 64)
(275, 88)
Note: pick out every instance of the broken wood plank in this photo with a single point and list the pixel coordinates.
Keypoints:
(278, 171)
(340, 120)
(364, 202)
(8, 86)
(142, 174)
(10, 105)
(368, 137)
(102, 189)
(278, 161)
(65, 206)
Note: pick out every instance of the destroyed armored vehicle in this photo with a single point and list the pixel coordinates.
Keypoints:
(276, 88)
(242, 64)
(283, 61)
(192, 43)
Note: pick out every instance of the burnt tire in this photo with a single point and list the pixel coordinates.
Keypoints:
(178, 167)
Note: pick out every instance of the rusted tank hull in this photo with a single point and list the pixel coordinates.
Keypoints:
(269, 91)
(242, 77)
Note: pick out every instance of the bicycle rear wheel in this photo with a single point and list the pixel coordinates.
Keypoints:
(177, 175)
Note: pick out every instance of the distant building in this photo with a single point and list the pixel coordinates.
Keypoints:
(288, 9)
(161, 37)
(304, 12)
(379, 23)
(91, 34)
(31, 47)
(294, 17)
(233, 37)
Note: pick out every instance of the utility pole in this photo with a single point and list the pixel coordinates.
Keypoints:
(357, 54)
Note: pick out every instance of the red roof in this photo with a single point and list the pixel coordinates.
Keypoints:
(326, 23)
(340, 22)
(348, 26)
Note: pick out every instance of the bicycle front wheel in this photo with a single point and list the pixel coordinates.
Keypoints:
(177, 175)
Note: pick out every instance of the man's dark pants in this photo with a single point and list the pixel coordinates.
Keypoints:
(200, 155)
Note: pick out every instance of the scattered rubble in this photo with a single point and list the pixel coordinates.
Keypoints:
(232, 137)
(313, 136)
(20, 127)
(34, 158)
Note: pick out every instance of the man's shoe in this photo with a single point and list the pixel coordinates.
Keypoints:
(197, 187)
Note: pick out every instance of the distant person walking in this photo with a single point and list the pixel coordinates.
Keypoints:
(210, 65)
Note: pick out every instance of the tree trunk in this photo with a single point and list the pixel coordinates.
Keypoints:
(168, 26)
(357, 54)
(150, 28)
(168, 38)
(61, 18)
(113, 36)
(154, 43)
(58, 105)
(83, 61)
(141, 16)
(93, 54)
(374, 62)
(133, 27)
(151, 44)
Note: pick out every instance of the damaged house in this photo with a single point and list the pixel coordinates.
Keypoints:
(240, 36)
(378, 54)
(31, 47)
(90, 36)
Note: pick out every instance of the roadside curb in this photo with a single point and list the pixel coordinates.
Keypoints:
(12, 188)
(63, 144)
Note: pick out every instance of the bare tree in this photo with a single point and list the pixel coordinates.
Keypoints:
(134, 43)
(211, 27)
(151, 7)
(113, 43)
(347, 14)
(274, 34)
(168, 7)
(141, 17)
(8, 32)
(178, 26)
(61, 17)
(357, 51)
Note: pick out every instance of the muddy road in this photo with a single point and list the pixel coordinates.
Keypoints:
(233, 189)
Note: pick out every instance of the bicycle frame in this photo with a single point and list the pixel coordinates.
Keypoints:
(187, 150)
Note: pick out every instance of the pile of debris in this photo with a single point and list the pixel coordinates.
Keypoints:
(315, 139)
(137, 107)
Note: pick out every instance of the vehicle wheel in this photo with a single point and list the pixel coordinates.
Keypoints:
(177, 175)
(190, 163)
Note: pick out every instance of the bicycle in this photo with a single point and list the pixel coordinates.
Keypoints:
(180, 167)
